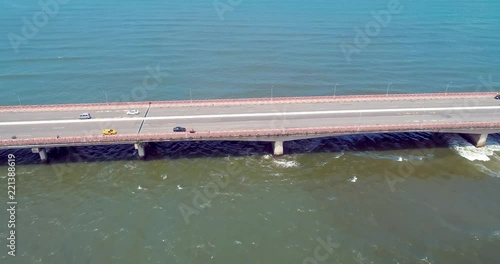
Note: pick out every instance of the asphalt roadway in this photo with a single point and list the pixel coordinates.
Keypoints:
(157, 119)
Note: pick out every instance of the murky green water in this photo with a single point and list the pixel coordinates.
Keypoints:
(226, 202)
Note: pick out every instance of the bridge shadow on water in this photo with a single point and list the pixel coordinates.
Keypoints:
(214, 149)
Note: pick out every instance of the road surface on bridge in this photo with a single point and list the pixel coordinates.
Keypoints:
(33, 122)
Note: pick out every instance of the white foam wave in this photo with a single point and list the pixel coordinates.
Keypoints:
(321, 163)
(469, 151)
(231, 194)
(286, 163)
(486, 170)
(495, 235)
(25, 172)
(130, 166)
(378, 156)
(338, 155)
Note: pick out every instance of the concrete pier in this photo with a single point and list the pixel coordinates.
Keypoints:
(141, 150)
(478, 140)
(278, 148)
(42, 152)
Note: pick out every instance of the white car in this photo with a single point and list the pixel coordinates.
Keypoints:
(132, 112)
(85, 116)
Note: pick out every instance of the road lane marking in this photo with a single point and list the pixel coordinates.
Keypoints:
(276, 114)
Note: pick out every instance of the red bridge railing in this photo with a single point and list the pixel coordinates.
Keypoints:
(214, 135)
(246, 101)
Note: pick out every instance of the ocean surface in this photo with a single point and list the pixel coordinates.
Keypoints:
(392, 198)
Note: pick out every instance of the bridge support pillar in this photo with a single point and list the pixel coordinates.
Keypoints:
(478, 140)
(278, 148)
(141, 149)
(42, 152)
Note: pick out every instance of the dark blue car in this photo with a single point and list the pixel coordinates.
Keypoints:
(179, 129)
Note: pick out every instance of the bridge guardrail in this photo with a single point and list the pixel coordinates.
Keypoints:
(275, 100)
(134, 138)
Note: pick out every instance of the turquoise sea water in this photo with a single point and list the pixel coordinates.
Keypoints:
(89, 48)
(397, 198)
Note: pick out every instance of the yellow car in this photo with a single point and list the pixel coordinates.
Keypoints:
(109, 131)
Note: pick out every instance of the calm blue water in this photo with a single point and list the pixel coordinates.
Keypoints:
(92, 49)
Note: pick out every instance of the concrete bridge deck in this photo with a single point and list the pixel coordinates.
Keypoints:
(260, 119)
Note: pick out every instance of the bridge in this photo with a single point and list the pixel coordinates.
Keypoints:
(275, 120)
